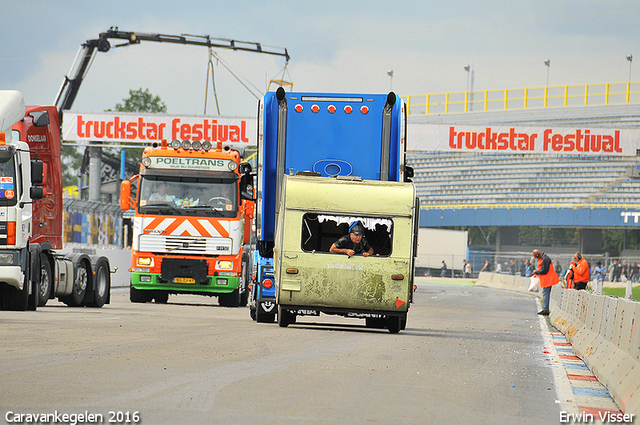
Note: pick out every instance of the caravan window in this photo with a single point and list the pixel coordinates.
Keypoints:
(319, 231)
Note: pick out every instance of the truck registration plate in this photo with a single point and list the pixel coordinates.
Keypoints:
(184, 280)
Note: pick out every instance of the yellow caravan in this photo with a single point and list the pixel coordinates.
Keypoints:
(314, 213)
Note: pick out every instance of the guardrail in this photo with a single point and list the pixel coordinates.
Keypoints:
(602, 330)
(523, 98)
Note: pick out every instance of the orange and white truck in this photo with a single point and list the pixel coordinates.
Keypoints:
(193, 206)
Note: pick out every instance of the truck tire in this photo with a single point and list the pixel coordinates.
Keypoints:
(285, 318)
(80, 283)
(139, 296)
(46, 281)
(230, 300)
(161, 297)
(15, 299)
(32, 302)
(102, 285)
(374, 323)
(394, 324)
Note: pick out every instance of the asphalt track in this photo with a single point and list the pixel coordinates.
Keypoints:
(469, 355)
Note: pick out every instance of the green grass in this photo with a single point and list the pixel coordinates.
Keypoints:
(619, 292)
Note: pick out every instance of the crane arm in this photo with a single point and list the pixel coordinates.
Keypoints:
(71, 85)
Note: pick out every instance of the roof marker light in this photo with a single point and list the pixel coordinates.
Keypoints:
(196, 145)
(175, 144)
(331, 109)
(298, 108)
(348, 109)
(364, 109)
(186, 144)
(315, 109)
(206, 145)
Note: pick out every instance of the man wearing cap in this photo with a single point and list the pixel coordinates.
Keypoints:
(353, 243)
(548, 278)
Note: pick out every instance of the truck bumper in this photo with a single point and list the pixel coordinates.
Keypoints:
(12, 275)
(12, 264)
(215, 284)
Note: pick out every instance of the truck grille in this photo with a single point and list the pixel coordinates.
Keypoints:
(185, 245)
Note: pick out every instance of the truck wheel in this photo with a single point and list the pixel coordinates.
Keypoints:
(32, 302)
(45, 284)
(15, 299)
(161, 297)
(138, 296)
(79, 286)
(284, 317)
(102, 286)
(393, 324)
(230, 300)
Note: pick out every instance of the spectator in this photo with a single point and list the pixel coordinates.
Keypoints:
(612, 268)
(512, 266)
(486, 267)
(443, 269)
(598, 277)
(635, 269)
(498, 267)
(580, 268)
(617, 271)
(624, 271)
(548, 278)
(467, 269)
(528, 270)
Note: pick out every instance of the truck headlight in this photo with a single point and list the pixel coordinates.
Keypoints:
(6, 258)
(145, 261)
(224, 265)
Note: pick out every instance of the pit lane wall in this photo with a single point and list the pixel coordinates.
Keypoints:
(601, 329)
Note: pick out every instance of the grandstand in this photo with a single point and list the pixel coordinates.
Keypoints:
(521, 180)
(588, 193)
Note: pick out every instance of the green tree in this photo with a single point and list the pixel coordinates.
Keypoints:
(142, 101)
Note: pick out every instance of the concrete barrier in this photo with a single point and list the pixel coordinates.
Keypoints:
(604, 332)
(506, 281)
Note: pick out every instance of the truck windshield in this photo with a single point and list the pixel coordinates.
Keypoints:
(8, 193)
(319, 231)
(188, 196)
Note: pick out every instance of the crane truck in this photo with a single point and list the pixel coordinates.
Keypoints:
(31, 272)
(326, 161)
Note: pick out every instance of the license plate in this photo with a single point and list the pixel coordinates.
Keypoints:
(184, 280)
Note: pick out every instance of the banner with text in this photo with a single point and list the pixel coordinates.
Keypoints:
(511, 139)
(149, 128)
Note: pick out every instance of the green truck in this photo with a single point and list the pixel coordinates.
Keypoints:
(316, 211)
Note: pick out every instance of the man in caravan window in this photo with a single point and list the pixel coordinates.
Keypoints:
(353, 243)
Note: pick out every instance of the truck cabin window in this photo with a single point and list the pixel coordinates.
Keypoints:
(320, 231)
(188, 196)
(8, 192)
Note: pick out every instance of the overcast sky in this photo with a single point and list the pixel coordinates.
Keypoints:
(335, 46)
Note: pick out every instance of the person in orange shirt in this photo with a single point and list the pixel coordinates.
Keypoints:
(548, 277)
(580, 268)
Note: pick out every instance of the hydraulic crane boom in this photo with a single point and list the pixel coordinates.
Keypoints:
(71, 84)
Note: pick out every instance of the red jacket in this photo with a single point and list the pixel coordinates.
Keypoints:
(580, 271)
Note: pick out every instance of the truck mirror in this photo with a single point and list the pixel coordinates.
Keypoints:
(37, 172)
(246, 187)
(408, 173)
(125, 195)
(36, 192)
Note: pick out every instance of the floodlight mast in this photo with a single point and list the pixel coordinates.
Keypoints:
(71, 84)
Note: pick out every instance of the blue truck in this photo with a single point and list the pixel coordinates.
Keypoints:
(323, 135)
